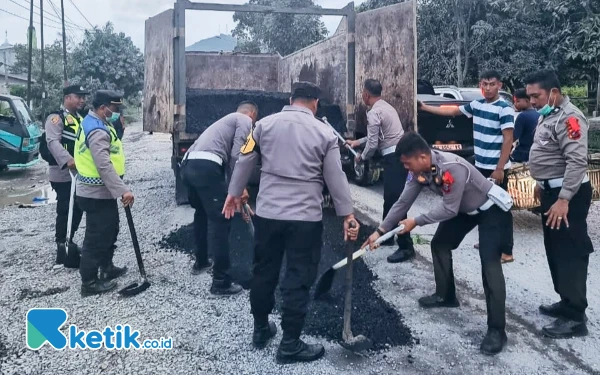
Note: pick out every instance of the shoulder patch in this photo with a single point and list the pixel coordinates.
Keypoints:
(447, 181)
(573, 128)
(55, 120)
(249, 145)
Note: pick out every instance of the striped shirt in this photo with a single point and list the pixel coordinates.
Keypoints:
(489, 120)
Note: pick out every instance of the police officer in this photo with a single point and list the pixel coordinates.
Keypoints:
(206, 168)
(384, 130)
(467, 203)
(299, 154)
(558, 161)
(101, 166)
(60, 130)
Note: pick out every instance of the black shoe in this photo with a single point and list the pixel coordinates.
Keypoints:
(402, 255)
(112, 272)
(61, 253)
(434, 300)
(97, 287)
(563, 328)
(291, 351)
(493, 342)
(198, 268)
(554, 310)
(224, 288)
(262, 335)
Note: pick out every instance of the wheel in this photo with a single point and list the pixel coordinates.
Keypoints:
(364, 175)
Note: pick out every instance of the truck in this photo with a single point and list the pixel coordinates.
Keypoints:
(19, 134)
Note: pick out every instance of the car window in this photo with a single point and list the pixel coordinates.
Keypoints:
(471, 95)
(23, 111)
(449, 95)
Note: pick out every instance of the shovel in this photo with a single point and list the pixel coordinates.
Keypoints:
(135, 288)
(353, 343)
(250, 223)
(326, 280)
(358, 167)
(73, 257)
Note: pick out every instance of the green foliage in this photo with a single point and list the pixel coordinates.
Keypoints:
(283, 33)
(575, 91)
(374, 4)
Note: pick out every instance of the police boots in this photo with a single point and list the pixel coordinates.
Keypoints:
(224, 288)
(295, 350)
(96, 286)
(263, 332)
(494, 341)
(111, 272)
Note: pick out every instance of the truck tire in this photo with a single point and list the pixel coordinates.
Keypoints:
(181, 192)
(364, 175)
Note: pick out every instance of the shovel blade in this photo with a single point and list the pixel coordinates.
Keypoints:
(134, 289)
(324, 283)
(73, 257)
(357, 344)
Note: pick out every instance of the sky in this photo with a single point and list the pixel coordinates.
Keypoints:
(128, 16)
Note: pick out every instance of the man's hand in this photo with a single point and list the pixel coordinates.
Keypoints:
(247, 213)
(127, 199)
(498, 176)
(232, 204)
(353, 144)
(71, 164)
(350, 233)
(245, 196)
(557, 214)
(420, 105)
(409, 225)
(371, 242)
(358, 158)
(537, 193)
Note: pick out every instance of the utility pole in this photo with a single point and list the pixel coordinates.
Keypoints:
(6, 63)
(42, 41)
(64, 38)
(30, 41)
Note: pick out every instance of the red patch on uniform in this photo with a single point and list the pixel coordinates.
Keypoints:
(447, 181)
(573, 128)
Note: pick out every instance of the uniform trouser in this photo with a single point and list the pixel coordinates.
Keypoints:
(568, 249)
(63, 197)
(493, 227)
(300, 241)
(508, 250)
(207, 192)
(394, 180)
(101, 231)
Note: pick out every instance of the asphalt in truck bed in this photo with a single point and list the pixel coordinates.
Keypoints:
(371, 315)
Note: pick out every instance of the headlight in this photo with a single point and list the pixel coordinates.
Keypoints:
(26, 142)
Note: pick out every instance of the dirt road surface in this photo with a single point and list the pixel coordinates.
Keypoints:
(213, 335)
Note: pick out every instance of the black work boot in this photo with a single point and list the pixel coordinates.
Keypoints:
(402, 255)
(563, 328)
(554, 310)
(61, 253)
(111, 272)
(224, 288)
(200, 267)
(296, 350)
(493, 342)
(263, 333)
(93, 287)
(434, 300)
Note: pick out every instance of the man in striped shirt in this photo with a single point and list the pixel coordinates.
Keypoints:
(493, 125)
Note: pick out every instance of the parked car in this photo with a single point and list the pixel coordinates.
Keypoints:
(467, 93)
(19, 134)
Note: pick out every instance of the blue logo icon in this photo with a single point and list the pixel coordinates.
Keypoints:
(43, 326)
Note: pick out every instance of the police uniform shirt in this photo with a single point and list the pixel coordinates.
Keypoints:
(384, 129)
(225, 138)
(54, 127)
(463, 188)
(560, 147)
(297, 153)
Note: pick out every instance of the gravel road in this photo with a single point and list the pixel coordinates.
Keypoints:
(212, 335)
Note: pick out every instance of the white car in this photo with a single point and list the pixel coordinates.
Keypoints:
(467, 93)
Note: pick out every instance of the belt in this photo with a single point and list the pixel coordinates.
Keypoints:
(484, 207)
(557, 182)
(203, 155)
(388, 150)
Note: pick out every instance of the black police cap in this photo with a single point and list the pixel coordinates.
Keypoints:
(107, 97)
(306, 90)
(75, 89)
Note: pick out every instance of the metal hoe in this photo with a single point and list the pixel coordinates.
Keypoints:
(73, 257)
(353, 343)
(357, 166)
(135, 288)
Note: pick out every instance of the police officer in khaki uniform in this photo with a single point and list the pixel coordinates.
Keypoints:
(299, 154)
(206, 168)
(558, 161)
(384, 130)
(469, 201)
(60, 130)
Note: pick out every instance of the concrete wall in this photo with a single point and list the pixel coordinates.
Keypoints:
(323, 63)
(231, 72)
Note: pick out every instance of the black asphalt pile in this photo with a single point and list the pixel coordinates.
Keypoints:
(371, 316)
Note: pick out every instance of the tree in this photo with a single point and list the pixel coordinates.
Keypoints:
(111, 58)
(280, 32)
(374, 4)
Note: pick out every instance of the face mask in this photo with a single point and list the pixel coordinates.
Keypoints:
(547, 109)
(114, 117)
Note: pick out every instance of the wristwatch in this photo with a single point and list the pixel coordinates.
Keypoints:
(380, 232)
